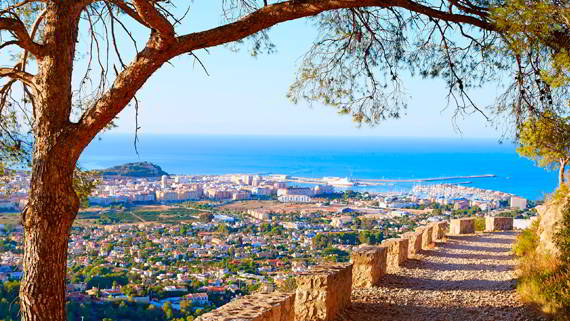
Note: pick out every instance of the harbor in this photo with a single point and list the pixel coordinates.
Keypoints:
(347, 182)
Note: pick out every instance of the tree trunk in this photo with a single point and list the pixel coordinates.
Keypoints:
(563, 163)
(47, 220)
(52, 202)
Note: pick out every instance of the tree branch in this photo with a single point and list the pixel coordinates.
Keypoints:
(132, 78)
(289, 10)
(18, 5)
(17, 74)
(18, 29)
(129, 11)
(154, 19)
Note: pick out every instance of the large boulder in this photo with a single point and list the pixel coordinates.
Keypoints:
(550, 216)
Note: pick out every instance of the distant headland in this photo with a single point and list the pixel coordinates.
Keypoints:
(138, 169)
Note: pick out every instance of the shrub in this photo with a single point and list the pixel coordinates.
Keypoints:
(527, 240)
(479, 224)
(545, 280)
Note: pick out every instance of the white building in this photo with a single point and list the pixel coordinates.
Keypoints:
(518, 202)
(294, 199)
(164, 181)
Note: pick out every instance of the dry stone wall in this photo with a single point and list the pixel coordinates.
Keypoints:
(427, 233)
(497, 223)
(397, 253)
(462, 226)
(323, 292)
(439, 230)
(369, 265)
(274, 306)
(414, 243)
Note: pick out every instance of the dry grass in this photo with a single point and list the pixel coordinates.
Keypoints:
(543, 279)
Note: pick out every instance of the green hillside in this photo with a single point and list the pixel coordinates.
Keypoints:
(139, 169)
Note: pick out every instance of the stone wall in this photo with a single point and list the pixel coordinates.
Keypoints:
(274, 306)
(427, 233)
(497, 223)
(369, 265)
(439, 230)
(414, 242)
(397, 253)
(323, 292)
(462, 226)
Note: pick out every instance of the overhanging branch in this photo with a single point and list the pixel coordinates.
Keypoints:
(154, 19)
(14, 73)
(18, 29)
(276, 13)
(132, 78)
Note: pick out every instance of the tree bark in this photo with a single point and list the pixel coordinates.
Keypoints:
(52, 202)
(563, 163)
(47, 222)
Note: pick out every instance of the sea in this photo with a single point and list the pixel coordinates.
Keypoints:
(316, 156)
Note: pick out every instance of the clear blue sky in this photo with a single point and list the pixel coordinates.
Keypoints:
(246, 95)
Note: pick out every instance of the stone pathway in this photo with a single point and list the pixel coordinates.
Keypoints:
(464, 278)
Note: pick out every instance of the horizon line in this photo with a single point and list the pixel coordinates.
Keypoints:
(497, 139)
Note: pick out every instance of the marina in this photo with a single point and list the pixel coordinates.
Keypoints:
(347, 182)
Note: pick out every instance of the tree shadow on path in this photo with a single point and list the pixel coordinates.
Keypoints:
(361, 311)
(455, 281)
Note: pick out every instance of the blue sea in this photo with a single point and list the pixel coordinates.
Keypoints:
(353, 157)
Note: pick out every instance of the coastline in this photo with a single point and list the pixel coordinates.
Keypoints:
(398, 162)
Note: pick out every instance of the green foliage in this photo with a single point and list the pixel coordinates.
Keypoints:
(84, 183)
(561, 194)
(123, 310)
(535, 36)
(525, 26)
(323, 240)
(371, 238)
(479, 224)
(106, 281)
(121, 215)
(140, 169)
(334, 251)
(546, 140)
(527, 240)
(9, 304)
(167, 308)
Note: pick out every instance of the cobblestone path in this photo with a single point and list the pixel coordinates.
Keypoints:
(464, 278)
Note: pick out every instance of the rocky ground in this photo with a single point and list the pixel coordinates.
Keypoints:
(464, 278)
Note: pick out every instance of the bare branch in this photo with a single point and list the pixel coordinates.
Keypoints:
(113, 35)
(129, 11)
(9, 43)
(17, 74)
(154, 19)
(35, 27)
(18, 29)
